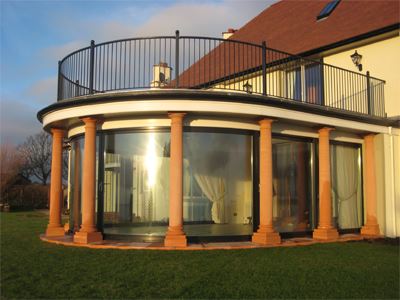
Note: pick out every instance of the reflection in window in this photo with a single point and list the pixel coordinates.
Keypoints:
(346, 186)
(75, 183)
(293, 84)
(313, 81)
(217, 184)
(292, 185)
(304, 83)
(136, 183)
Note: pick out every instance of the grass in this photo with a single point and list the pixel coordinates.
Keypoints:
(31, 268)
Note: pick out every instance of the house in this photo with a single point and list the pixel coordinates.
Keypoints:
(287, 127)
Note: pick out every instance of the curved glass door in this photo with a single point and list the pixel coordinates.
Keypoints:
(217, 184)
(136, 183)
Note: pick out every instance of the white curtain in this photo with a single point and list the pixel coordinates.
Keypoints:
(214, 189)
(221, 167)
(345, 185)
(186, 178)
(208, 163)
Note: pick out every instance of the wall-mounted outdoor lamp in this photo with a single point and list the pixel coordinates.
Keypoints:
(356, 58)
(67, 144)
(248, 88)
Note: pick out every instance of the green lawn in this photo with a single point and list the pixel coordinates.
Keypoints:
(31, 268)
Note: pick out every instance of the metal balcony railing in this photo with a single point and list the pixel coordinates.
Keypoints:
(211, 63)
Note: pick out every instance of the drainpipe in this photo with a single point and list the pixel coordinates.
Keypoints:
(392, 173)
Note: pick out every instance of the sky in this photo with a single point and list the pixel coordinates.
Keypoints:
(34, 35)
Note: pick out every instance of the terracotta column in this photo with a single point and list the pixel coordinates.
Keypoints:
(325, 230)
(175, 236)
(265, 234)
(88, 232)
(371, 227)
(55, 228)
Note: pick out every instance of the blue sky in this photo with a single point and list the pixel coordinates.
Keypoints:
(36, 34)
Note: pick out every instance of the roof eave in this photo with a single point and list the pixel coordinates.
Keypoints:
(351, 40)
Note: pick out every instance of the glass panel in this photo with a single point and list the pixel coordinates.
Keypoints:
(217, 184)
(313, 84)
(292, 185)
(346, 186)
(136, 183)
(327, 10)
(75, 182)
(293, 84)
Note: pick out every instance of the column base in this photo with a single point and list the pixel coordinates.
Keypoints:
(55, 231)
(325, 234)
(175, 237)
(370, 230)
(82, 237)
(266, 238)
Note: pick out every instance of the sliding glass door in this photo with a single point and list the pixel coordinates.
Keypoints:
(218, 183)
(136, 183)
(293, 184)
(346, 186)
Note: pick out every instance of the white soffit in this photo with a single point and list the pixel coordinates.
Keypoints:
(212, 107)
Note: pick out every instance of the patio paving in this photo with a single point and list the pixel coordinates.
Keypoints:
(110, 244)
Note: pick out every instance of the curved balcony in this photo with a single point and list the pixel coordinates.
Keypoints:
(190, 62)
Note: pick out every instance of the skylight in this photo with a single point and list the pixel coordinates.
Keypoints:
(328, 9)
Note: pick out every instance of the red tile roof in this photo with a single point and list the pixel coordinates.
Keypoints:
(292, 26)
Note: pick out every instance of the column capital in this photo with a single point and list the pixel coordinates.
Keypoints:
(176, 115)
(90, 121)
(369, 136)
(325, 130)
(265, 123)
(57, 132)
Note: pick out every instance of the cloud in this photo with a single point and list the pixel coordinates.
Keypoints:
(55, 53)
(18, 115)
(113, 30)
(43, 91)
(17, 121)
(209, 19)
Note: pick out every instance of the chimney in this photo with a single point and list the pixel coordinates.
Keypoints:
(161, 75)
(226, 35)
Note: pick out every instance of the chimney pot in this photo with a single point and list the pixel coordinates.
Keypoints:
(227, 34)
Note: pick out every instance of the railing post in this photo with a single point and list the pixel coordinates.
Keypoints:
(177, 58)
(59, 82)
(264, 68)
(77, 88)
(369, 99)
(91, 70)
